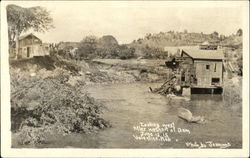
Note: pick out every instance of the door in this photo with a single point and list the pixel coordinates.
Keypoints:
(28, 52)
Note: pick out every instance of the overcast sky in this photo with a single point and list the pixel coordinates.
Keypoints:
(127, 21)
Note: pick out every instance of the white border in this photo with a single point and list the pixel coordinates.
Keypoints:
(7, 151)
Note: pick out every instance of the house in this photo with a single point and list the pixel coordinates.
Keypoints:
(201, 69)
(208, 46)
(30, 46)
(68, 48)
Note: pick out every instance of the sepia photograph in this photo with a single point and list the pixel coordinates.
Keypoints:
(125, 75)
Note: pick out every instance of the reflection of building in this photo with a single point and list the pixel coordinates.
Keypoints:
(202, 69)
(30, 46)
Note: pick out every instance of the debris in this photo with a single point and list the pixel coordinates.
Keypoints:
(169, 87)
(188, 116)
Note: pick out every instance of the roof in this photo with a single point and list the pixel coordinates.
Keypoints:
(174, 49)
(205, 43)
(209, 43)
(30, 34)
(196, 53)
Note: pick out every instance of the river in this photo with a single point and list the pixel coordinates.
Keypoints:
(128, 105)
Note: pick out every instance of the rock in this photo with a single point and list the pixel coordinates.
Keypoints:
(32, 105)
(81, 73)
(185, 114)
(73, 80)
(33, 74)
(177, 88)
(88, 73)
(188, 116)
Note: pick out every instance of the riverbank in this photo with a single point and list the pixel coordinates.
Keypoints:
(49, 97)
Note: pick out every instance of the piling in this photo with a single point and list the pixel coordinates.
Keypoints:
(186, 91)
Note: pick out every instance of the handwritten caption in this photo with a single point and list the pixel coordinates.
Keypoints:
(156, 132)
(168, 132)
(207, 144)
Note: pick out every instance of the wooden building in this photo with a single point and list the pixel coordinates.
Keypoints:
(201, 68)
(30, 46)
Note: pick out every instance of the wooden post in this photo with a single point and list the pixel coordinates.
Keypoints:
(17, 44)
(32, 44)
(186, 92)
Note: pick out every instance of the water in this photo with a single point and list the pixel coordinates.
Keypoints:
(129, 104)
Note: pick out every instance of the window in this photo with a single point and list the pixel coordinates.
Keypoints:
(182, 78)
(28, 52)
(215, 67)
(207, 67)
(215, 81)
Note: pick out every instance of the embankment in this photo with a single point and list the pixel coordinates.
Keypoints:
(48, 96)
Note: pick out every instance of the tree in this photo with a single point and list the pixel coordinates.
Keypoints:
(239, 32)
(240, 63)
(150, 52)
(23, 19)
(87, 47)
(125, 52)
(222, 37)
(216, 34)
(148, 36)
(107, 41)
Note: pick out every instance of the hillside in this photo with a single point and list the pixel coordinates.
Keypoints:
(173, 39)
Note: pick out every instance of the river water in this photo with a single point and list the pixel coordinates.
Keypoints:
(128, 105)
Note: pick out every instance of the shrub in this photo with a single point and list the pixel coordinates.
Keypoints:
(48, 103)
(154, 53)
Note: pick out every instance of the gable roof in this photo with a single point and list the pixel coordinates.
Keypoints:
(25, 36)
(203, 54)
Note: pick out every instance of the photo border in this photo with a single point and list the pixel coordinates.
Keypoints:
(7, 151)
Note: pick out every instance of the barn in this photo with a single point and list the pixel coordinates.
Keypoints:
(202, 69)
(30, 46)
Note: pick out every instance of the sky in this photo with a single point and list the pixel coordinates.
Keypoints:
(128, 21)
